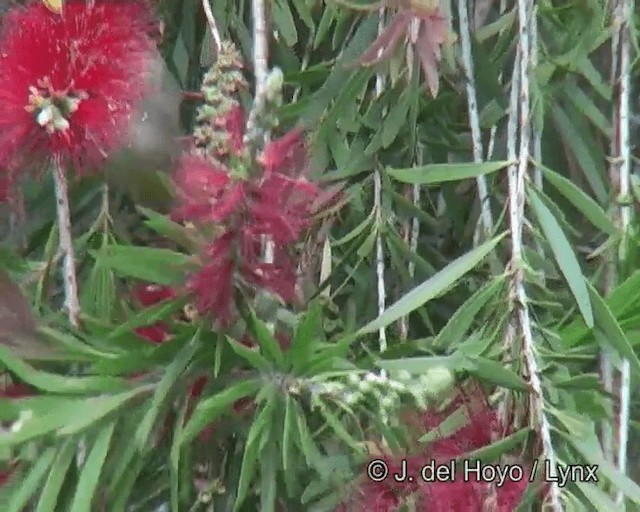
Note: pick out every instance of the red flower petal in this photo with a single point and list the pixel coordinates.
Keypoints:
(285, 154)
(150, 294)
(157, 333)
(101, 53)
(15, 391)
(212, 285)
(234, 123)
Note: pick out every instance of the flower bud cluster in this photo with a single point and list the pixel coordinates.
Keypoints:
(220, 88)
(385, 392)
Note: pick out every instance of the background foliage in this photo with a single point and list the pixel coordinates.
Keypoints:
(404, 276)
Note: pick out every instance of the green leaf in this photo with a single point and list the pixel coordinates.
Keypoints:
(270, 348)
(251, 356)
(268, 473)
(591, 452)
(283, 20)
(432, 287)
(564, 255)
(587, 106)
(420, 365)
(305, 335)
(609, 325)
(171, 375)
(462, 320)
(209, 409)
(576, 196)
(53, 383)
(593, 170)
(258, 432)
(167, 228)
(57, 475)
(494, 372)
(93, 409)
(32, 481)
(175, 456)
(396, 119)
(336, 425)
(151, 264)
(148, 316)
(449, 426)
(90, 476)
(440, 173)
(587, 381)
(495, 451)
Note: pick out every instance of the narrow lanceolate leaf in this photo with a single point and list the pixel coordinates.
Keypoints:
(576, 196)
(151, 264)
(91, 471)
(462, 319)
(611, 328)
(440, 173)
(57, 474)
(32, 481)
(53, 383)
(432, 287)
(494, 372)
(495, 451)
(163, 390)
(211, 408)
(564, 255)
(592, 453)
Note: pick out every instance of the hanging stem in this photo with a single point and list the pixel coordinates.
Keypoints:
(72, 304)
(260, 67)
(377, 200)
(625, 217)
(517, 177)
(610, 277)
(212, 23)
(474, 118)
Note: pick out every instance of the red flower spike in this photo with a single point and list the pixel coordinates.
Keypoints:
(276, 203)
(69, 83)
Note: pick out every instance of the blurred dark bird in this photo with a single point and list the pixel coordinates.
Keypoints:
(18, 325)
(153, 142)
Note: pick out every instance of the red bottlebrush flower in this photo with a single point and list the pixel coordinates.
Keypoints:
(275, 201)
(69, 83)
(431, 35)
